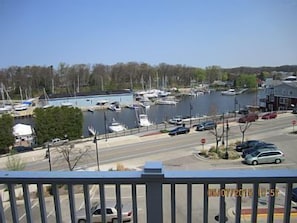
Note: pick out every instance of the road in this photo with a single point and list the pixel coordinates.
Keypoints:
(176, 153)
(134, 151)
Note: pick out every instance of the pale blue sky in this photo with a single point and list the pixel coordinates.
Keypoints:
(197, 33)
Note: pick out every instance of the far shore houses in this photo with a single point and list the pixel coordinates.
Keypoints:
(280, 95)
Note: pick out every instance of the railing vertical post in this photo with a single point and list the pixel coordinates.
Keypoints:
(154, 203)
(2, 214)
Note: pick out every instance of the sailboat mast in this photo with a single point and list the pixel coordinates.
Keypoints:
(157, 80)
(21, 93)
(2, 94)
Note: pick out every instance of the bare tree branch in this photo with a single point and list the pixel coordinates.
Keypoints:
(243, 129)
(72, 155)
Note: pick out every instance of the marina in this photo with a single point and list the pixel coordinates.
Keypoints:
(188, 106)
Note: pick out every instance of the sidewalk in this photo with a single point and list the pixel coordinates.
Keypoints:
(246, 214)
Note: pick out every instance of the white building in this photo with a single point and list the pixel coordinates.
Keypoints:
(24, 134)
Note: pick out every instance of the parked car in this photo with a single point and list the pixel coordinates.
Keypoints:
(247, 145)
(259, 146)
(179, 130)
(177, 120)
(243, 111)
(111, 214)
(22, 149)
(269, 115)
(207, 125)
(294, 110)
(265, 156)
(294, 194)
(251, 117)
(56, 142)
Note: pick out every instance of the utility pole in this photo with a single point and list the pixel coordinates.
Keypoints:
(97, 154)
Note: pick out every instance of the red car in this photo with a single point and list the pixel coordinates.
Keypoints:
(251, 117)
(269, 115)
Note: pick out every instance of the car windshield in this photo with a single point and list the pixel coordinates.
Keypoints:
(255, 153)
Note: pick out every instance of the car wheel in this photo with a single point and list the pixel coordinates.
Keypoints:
(277, 161)
(82, 221)
(255, 162)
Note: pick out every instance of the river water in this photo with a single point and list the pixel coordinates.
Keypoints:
(212, 103)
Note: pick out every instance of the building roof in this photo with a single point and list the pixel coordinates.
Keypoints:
(124, 91)
(22, 130)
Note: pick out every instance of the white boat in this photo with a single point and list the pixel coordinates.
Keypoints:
(114, 108)
(20, 107)
(116, 127)
(230, 92)
(133, 106)
(102, 102)
(66, 104)
(164, 93)
(143, 121)
(166, 102)
(91, 109)
(5, 109)
(91, 130)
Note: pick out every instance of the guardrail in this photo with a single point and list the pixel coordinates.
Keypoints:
(168, 195)
(165, 125)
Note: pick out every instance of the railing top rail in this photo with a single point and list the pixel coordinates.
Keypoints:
(141, 177)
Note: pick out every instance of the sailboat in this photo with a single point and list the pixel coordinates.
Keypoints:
(46, 100)
(5, 108)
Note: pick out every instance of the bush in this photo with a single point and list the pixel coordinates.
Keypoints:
(220, 153)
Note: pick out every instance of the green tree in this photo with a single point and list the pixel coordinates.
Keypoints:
(6, 136)
(200, 75)
(246, 81)
(213, 73)
(58, 122)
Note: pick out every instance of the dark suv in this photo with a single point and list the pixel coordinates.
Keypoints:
(247, 145)
(207, 125)
(258, 147)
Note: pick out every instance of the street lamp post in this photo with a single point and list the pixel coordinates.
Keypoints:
(235, 103)
(223, 134)
(48, 155)
(105, 126)
(227, 135)
(191, 107)
(97, 155)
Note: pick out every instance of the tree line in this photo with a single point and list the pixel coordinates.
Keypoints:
(54, 122)
(31, 81)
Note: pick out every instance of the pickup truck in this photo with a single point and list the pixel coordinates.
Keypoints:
(57, 142)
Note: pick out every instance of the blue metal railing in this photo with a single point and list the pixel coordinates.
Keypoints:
(157, 184)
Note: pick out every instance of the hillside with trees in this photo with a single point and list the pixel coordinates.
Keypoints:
(33, 81)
